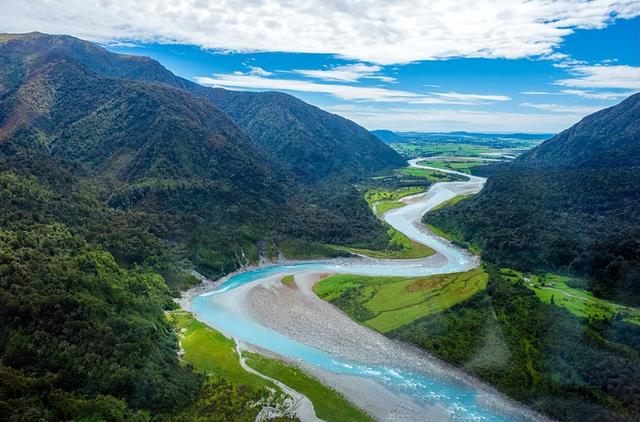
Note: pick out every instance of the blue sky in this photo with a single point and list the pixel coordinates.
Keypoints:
(530, 66)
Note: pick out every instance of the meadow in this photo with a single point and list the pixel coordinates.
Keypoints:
(399, 247)
(561, 290)
(387, 303)
(328, 403)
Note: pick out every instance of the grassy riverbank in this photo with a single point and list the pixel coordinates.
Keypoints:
(215, 355)
(386, 303)
(399, 247)
(328, 403)
(431, 175)
(229, 392)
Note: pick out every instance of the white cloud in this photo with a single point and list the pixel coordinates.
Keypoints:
(347, 73)
(598, 95)
(374, 31)
(537, 93)
(587, 94)
(422, 119)
(255, 70)
(343, 91)
(470, 97)
(623, 77)
(562, 108)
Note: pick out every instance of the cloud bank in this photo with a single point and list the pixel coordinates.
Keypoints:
(374, 31)
(343, 91)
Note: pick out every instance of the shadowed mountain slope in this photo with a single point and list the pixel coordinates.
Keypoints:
(571, 204)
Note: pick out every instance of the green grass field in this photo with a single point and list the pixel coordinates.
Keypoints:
(374, 195)
(399, 247)
(328, 403)
(578, 301)
(456, 149)
(461, 166)
(383, 200)
(451, 201)
(431, 175)
(386, 303)
(209, 351)
(379, 208)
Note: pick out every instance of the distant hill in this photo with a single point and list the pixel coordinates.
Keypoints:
(462, 134)
(387, 135)
(570, 204)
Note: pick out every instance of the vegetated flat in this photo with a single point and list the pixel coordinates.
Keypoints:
(399, 247)
(387, 303)
(558, 289)
(380, 194)
(413, 145)
(450, 164)
(288, 280)
(228, 392)
(431, 175)
(328, 403)
(451, 201)
(379, 208)
(210, 351)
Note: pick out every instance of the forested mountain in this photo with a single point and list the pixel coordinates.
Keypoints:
(116, 179)
(608, 138)
(154, 142)
(571, 204)
(309, 142)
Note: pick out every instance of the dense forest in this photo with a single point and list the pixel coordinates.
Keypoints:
(115, 182)
(570, 205)
(540, 354)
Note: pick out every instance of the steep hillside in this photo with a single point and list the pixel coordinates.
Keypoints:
(307, 140)
(312, 144)
(608, 138)
(115, 181)
(150, 144)
(571, 204)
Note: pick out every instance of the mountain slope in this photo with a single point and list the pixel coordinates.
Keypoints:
(608, 138)
(311, 143)
(113, 185)
(572, 204)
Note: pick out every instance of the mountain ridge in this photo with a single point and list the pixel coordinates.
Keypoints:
(572, 204)
(308, 141)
